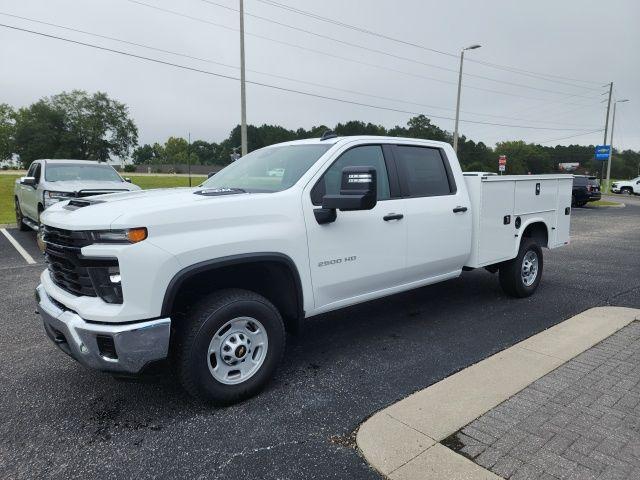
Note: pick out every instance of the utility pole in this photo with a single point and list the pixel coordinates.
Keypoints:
(455, 131)
(243, 89)
(613, 126)
(189, 158)
(606, 126)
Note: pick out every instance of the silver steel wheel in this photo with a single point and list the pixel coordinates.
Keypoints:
(529, 269)
(237, 350)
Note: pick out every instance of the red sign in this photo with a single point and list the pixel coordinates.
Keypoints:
(502, 160)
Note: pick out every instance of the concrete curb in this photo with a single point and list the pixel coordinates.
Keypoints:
(402, 441)
(619, 205)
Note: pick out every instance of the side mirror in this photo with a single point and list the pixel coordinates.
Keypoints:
(358, 191)
(211, 174)
(127, 179)
(30, 181)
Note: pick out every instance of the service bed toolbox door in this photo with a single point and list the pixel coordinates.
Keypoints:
(563, 213)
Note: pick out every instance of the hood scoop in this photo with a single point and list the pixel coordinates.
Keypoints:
(213, 192)
(76, 204)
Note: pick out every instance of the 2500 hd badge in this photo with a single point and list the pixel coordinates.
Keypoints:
(337, 261)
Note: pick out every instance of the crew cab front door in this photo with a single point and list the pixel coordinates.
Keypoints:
(362, 253)
(29, 194)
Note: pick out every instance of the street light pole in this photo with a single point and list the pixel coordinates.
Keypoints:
(613, 125)
(243, 90)
(455, 132)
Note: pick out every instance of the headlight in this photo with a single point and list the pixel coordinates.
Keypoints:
(130, 235)
(51, 197)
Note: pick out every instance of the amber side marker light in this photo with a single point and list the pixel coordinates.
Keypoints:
(136, 235)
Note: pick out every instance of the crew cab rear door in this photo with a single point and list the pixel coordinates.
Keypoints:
(362, 254)
(437, 212)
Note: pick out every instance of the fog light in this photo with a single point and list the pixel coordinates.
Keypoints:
(106, 282)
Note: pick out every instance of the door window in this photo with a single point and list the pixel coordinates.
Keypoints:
(36, 174)
(423, 172)
(364, 156)
(32, 170)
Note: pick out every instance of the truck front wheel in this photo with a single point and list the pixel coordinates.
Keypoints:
(229, 347)
(19, 218)
(521, 276)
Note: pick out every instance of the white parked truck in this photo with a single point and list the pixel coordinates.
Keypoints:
(51, 181)
(626, 187)
(212, 277)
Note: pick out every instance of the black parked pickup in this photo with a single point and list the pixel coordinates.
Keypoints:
(585, 189)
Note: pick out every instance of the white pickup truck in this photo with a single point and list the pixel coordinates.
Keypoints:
(51, 181)
(212, 277)
(626, 187)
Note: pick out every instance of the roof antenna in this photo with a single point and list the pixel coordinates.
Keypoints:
(328, 134)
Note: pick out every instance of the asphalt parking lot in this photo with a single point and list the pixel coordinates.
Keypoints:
(59, 420)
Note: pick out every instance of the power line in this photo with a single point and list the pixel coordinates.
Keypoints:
(572, 136)
(266, 85)
(281, 77)
(382, 52)
(126, 42)
(423, 47)
(332, 55)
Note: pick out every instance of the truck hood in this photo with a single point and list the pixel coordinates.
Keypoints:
(136, 208)
(623, 183)
(80, 185)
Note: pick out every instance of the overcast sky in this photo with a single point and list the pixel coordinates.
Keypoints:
(583, 44)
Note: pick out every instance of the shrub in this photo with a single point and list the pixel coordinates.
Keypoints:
(129, 168)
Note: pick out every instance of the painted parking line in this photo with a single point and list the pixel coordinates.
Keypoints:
(18, 247)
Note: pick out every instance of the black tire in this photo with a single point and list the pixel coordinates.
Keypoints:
(581, 204)
(19, 223)
(40, 210)
(511, 279)
(626, 191)
(200, 326)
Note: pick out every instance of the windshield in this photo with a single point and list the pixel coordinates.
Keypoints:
(60, 172)
(271, 169)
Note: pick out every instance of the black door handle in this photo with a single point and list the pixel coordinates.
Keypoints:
(459, 209)
(393, 216)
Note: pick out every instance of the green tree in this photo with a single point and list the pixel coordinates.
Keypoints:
(7, 131)
(355, 127)
(175, 150)
(74, 125)
(97, 126)
(525, 158)
(38, 133)
(206, 153)
(148, 154)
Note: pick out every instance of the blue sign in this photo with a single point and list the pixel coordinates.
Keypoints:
(602, 152)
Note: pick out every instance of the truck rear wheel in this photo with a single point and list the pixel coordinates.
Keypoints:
(229, 346)
(521, 276)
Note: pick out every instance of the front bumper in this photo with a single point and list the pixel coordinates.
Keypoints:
(110, 348)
